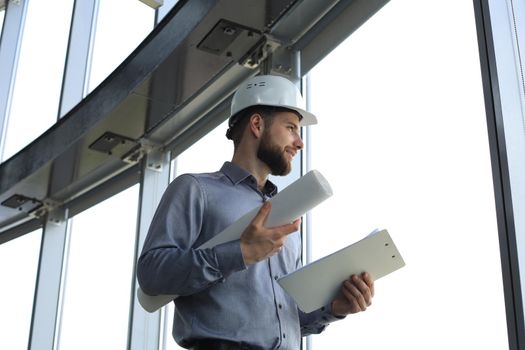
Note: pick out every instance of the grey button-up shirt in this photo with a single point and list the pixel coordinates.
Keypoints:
(220, 297)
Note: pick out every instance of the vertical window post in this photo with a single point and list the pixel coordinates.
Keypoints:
(11, 39)
(501, 38)
(45, 323)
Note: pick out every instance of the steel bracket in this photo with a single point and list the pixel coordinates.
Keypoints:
(57, 216)
(258, 54)
(155, 160)
(282, 61)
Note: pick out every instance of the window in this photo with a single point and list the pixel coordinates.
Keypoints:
(37, 87)
(402, 138)
(99, 275)
(206, 155)
(18, 268)
(121, 26)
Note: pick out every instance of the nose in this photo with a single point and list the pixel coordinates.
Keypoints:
(298, 143)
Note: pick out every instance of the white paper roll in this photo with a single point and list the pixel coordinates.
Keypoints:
(291, 203)
(153, 303)
(287, 205)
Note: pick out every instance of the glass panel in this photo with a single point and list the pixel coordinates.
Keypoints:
(206, 155)
(402, 138)
(18, 269)
(121, 27)
(39, 74)
(99, 275)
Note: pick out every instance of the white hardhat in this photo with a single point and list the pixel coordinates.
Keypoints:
(270, 90)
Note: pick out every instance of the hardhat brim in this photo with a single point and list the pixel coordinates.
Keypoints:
(308, 118)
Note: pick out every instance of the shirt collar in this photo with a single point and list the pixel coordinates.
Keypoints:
(236, 174)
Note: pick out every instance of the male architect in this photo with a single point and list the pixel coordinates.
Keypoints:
(229, 297)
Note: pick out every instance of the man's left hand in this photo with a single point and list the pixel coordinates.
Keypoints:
(356, 295)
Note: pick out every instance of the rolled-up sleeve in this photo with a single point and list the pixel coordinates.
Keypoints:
(169, 263)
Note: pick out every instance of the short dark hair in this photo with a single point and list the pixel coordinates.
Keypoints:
(239, 121)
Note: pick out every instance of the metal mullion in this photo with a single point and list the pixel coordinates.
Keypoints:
(144, 327)
(307, 166)
(501, 84)
(147, 329)
(11, 39)
(47, 308)
(78, 61)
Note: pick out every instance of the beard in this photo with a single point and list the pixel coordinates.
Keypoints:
(273, 156)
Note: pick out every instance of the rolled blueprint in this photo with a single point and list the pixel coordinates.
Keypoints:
(291, 203)
(287, 205)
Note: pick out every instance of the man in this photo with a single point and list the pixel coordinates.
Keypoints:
(229, 297)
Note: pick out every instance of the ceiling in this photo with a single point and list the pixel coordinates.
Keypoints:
(168, 93)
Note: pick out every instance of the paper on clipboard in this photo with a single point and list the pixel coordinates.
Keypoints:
(318, 283)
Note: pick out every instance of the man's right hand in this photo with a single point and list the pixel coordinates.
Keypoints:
(259, 242)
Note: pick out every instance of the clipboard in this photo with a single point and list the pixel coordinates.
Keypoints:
(319, 282)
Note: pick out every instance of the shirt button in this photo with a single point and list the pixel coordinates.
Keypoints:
(284, 335)
(280, 306)
(276, 277)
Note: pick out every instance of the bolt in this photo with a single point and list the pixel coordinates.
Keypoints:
(228, 30)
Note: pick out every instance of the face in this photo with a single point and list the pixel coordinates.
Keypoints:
(280, 143)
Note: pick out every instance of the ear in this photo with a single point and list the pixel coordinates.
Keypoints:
(256, 125)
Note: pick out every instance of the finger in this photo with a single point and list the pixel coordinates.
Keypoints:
(363, 288)
(262, 214)
(369, 281)
(355, 306)
(361, 302)
(284, 230)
